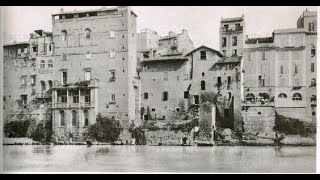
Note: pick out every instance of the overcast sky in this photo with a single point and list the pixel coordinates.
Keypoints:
(202, 22)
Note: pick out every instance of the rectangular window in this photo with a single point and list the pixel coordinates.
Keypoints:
(165, 96)
(87, 98)
(111, 34)
(237, 27)
(295, 69)
(165, 76)
(24, 99)
(76, 99)
(313, 52)
(226, 27)
(112, 53)
(219, 80)
(113, 98)
(87, 75)
(64, 78)
(25, 50)
(312, 67)
(186, 94)
(234, 41)
(281, 69)
(185, 77)
(23, 81)
(196, 99)
(146, 95)
(263, 55)
(224, 42)
(202, 74)
(33, 80)
(203, 55)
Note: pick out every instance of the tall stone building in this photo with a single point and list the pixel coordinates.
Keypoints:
(232, 32)
(86, 66)
(95, 60)
(280, 72)
(165, 74)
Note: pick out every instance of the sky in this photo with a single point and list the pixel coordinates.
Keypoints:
(202, 22)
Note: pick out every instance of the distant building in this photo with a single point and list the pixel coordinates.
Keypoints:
(280, 70)
(232, 32)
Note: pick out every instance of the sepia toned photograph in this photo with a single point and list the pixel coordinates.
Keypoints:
(159, 89)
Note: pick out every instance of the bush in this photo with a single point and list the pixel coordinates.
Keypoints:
(104, 130)
(293, 126)
(43, 132)
(16, 128)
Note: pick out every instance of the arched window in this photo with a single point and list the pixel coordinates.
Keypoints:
(61, 118)
(42, 64)
(313, 98)
(297, 97)
(282, 95)
(203, 85)
(50, 84)
(50, 63)
(313, 82)
(250, 97)
(88, 33)
(86, 117)
(42, 86)
(64, 35)
(74, 117)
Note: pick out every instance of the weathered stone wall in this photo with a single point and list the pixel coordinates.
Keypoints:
(166, 137)
(259, 120)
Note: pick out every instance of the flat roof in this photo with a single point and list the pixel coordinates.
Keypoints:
(232, 19)
(90, 10)
(17, 43)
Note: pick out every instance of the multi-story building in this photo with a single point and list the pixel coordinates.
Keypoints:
(165, 75)
(95, 63)
(281, 70)
(232, 32)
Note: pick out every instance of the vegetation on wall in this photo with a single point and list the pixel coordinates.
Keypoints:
(138, 134)
(104, 130)
(43, 132)
(17, 128)
(291, 126)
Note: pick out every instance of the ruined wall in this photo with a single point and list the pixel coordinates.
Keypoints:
(259, 120)
(165, 137)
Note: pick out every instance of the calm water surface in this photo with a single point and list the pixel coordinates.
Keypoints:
(159, 159)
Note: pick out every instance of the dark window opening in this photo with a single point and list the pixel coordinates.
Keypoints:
(203, 55)
(196, 99)
(64, 78)
(224, 42)
(226, 113)
(202, 74)
(146, 117)
(146, 95)
(186, 95)
(312, 67)
(313, 113)
(203, 85)
(165, 96)
(93, 13)
(234, 41)
(153, 109)
(313, 52)
(226, 27)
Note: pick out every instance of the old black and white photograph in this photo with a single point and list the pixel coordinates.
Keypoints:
(159, 89)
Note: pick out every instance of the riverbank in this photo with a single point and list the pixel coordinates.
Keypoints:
(292, 140)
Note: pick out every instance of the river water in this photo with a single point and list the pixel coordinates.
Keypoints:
(216, 159)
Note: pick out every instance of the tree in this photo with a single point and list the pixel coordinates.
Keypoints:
(104, 130)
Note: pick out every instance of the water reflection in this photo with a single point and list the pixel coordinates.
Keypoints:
(159, 159)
